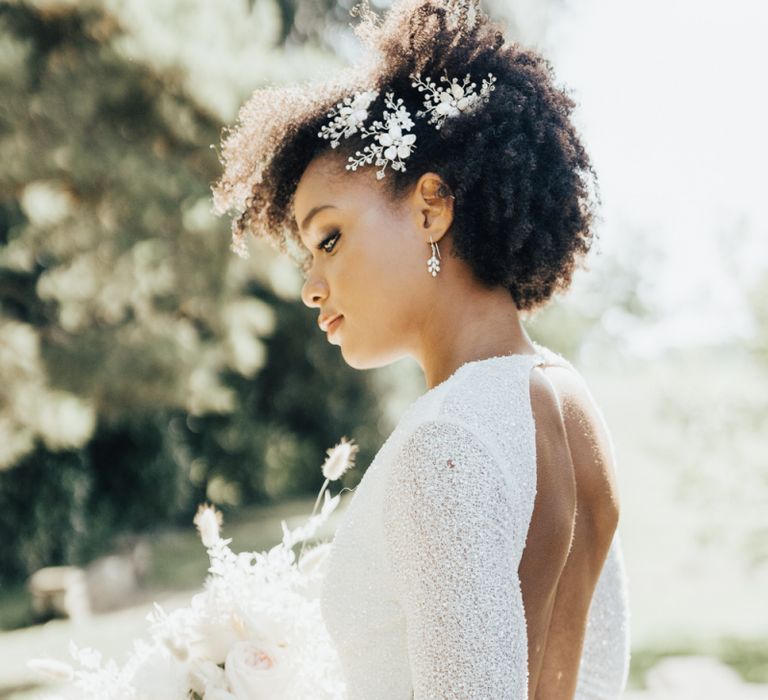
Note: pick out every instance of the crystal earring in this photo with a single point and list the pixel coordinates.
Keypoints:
(433, 264)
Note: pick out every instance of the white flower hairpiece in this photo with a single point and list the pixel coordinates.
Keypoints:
(348, 115)
(391, 144)
(453, 100)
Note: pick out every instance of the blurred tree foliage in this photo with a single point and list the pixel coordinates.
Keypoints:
(143, 366)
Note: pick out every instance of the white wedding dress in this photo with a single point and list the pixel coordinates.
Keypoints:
(422, 596)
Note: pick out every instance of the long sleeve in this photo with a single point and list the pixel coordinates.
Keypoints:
(454, 535)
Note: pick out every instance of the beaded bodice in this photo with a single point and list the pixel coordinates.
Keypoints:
(422, 595)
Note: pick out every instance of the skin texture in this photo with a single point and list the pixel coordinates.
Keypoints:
(575, 516)
(375, 274)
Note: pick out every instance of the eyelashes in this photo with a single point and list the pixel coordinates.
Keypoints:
(333, 236)
(306, 264)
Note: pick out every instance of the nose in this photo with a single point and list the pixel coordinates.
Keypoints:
(314, 291)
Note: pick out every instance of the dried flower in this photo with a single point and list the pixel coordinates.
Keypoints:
(313, 560)
(256, 617)
(208, 521)
(340, 458)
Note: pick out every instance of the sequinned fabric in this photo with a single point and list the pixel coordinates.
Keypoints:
(422, 595)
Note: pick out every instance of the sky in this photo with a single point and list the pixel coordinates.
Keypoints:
(673, 109)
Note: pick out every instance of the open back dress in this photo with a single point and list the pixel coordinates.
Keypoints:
(422, 594)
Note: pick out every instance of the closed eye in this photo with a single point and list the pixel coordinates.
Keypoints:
(334, 236)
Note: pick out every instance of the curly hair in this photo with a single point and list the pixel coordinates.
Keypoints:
(523, 183)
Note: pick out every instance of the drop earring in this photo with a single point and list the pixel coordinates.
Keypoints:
(433, 264)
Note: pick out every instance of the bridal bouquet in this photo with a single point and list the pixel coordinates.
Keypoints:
(255, 632)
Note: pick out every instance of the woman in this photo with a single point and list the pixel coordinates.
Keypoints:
(430, 195)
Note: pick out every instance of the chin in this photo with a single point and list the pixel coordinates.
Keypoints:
(370, 359)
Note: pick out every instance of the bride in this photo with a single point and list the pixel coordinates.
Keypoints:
(432, 194)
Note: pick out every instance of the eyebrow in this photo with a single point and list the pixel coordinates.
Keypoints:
(308, 218)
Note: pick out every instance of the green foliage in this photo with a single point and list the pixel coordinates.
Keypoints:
(45, 494)
(143, 366)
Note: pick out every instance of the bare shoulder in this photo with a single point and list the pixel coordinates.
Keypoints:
(588, 438)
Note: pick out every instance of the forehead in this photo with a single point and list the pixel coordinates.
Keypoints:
(324, 174)
(327, 181)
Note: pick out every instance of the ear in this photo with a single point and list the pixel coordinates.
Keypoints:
(432, 201)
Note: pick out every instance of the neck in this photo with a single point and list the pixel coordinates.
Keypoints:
(469, 325)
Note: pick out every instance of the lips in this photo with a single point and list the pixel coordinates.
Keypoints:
(325, 321)
(334, 324)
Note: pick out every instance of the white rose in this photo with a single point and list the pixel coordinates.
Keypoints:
(257, 669)
(213, 636)
(160, 675)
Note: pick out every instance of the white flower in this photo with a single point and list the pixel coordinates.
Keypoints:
(312, 562)
(340, 458)
(212, 636)
(160, 675)
(208, 521)
(255, 617)
(313, 565)
(456, 99)
(397, 145)
(347, 116)
(257, 669)
(176, 645)
(388, 135)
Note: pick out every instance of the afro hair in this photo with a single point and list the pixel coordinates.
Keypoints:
(524, 187)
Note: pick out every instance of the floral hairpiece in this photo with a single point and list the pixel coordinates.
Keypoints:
(347, 116)
(453, 100)
(391, 144)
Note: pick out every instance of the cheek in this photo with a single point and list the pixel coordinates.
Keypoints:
(378, 283)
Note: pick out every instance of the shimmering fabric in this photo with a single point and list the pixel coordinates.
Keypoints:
(422, 595)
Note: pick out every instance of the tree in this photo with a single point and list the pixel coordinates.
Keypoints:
(140, 360)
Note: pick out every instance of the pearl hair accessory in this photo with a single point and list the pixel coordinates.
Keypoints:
(453, 100)
(392, 144)
(348, 116)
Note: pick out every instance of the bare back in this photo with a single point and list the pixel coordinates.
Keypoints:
(574, 519)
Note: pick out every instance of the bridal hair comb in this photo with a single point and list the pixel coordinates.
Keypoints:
(348, 115)
(392, 144)
(453, 100)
